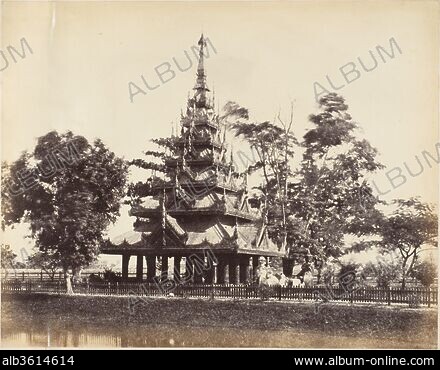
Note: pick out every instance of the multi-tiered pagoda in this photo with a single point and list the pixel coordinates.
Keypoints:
(200, 211)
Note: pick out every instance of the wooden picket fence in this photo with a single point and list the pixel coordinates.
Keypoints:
(31, 274)
(361, 294)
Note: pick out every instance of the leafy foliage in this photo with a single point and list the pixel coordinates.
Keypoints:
(313, 208)
(67, 209)
(7, 257)
(410, 227)
(383, 271)
(274, 145)
(332, 197)
(347, 275)
(425, 272)
(48, 261)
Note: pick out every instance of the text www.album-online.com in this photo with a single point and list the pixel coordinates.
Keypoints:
(359, 361)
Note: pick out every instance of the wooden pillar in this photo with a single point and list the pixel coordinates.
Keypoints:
(221, 270)
(176, 270)
(164, 268)
(198, 272)
(125, 261)
(189, 270)
(209, 272)
(151, 268)
(233, 265)
(139, 268)
(255, 269)
(244, 269)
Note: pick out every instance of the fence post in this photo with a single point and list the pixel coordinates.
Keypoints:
(429, 296)
(389, 296)
(41, 275)
(87, 286)
(117, 288)
(279, 293)
(22, 276)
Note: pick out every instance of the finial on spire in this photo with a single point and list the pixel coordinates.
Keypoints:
(201, 87)
(235, 235)
(213, 96)
(265, 210)
(245, 179)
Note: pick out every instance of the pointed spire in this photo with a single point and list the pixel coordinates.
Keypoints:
(224, 196)
(201, 87)
(245, 179)
(235, 236)
(191, 133)
(182, 131)
(184, 154)
(232, 155)
(265, 211)
(213, 97)
(176, 177)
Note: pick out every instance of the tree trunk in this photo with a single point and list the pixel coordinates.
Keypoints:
(288, 265)
(318, 277)
(77, 274)
(403, 281)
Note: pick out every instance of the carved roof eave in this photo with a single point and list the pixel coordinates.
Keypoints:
(195, 211)
(202, 122)
(227, 245)
(187, 250)
(210, 161)
(202, 142)
(198, 184)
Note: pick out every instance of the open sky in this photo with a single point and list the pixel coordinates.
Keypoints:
(267, 55)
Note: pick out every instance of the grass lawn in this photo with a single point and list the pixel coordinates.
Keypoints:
(42, 319)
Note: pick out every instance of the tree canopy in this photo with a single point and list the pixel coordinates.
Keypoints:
(69, 191)
(331, 197)
(311, 208)
(412, 225)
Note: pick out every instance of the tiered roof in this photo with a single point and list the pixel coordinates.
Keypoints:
(204, 202)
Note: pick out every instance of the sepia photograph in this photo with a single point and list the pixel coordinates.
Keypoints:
(219, 174)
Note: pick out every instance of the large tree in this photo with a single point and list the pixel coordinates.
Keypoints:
(411, 226)
(311, 209)
(69, 191)
(331, 197)
(274, 143)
